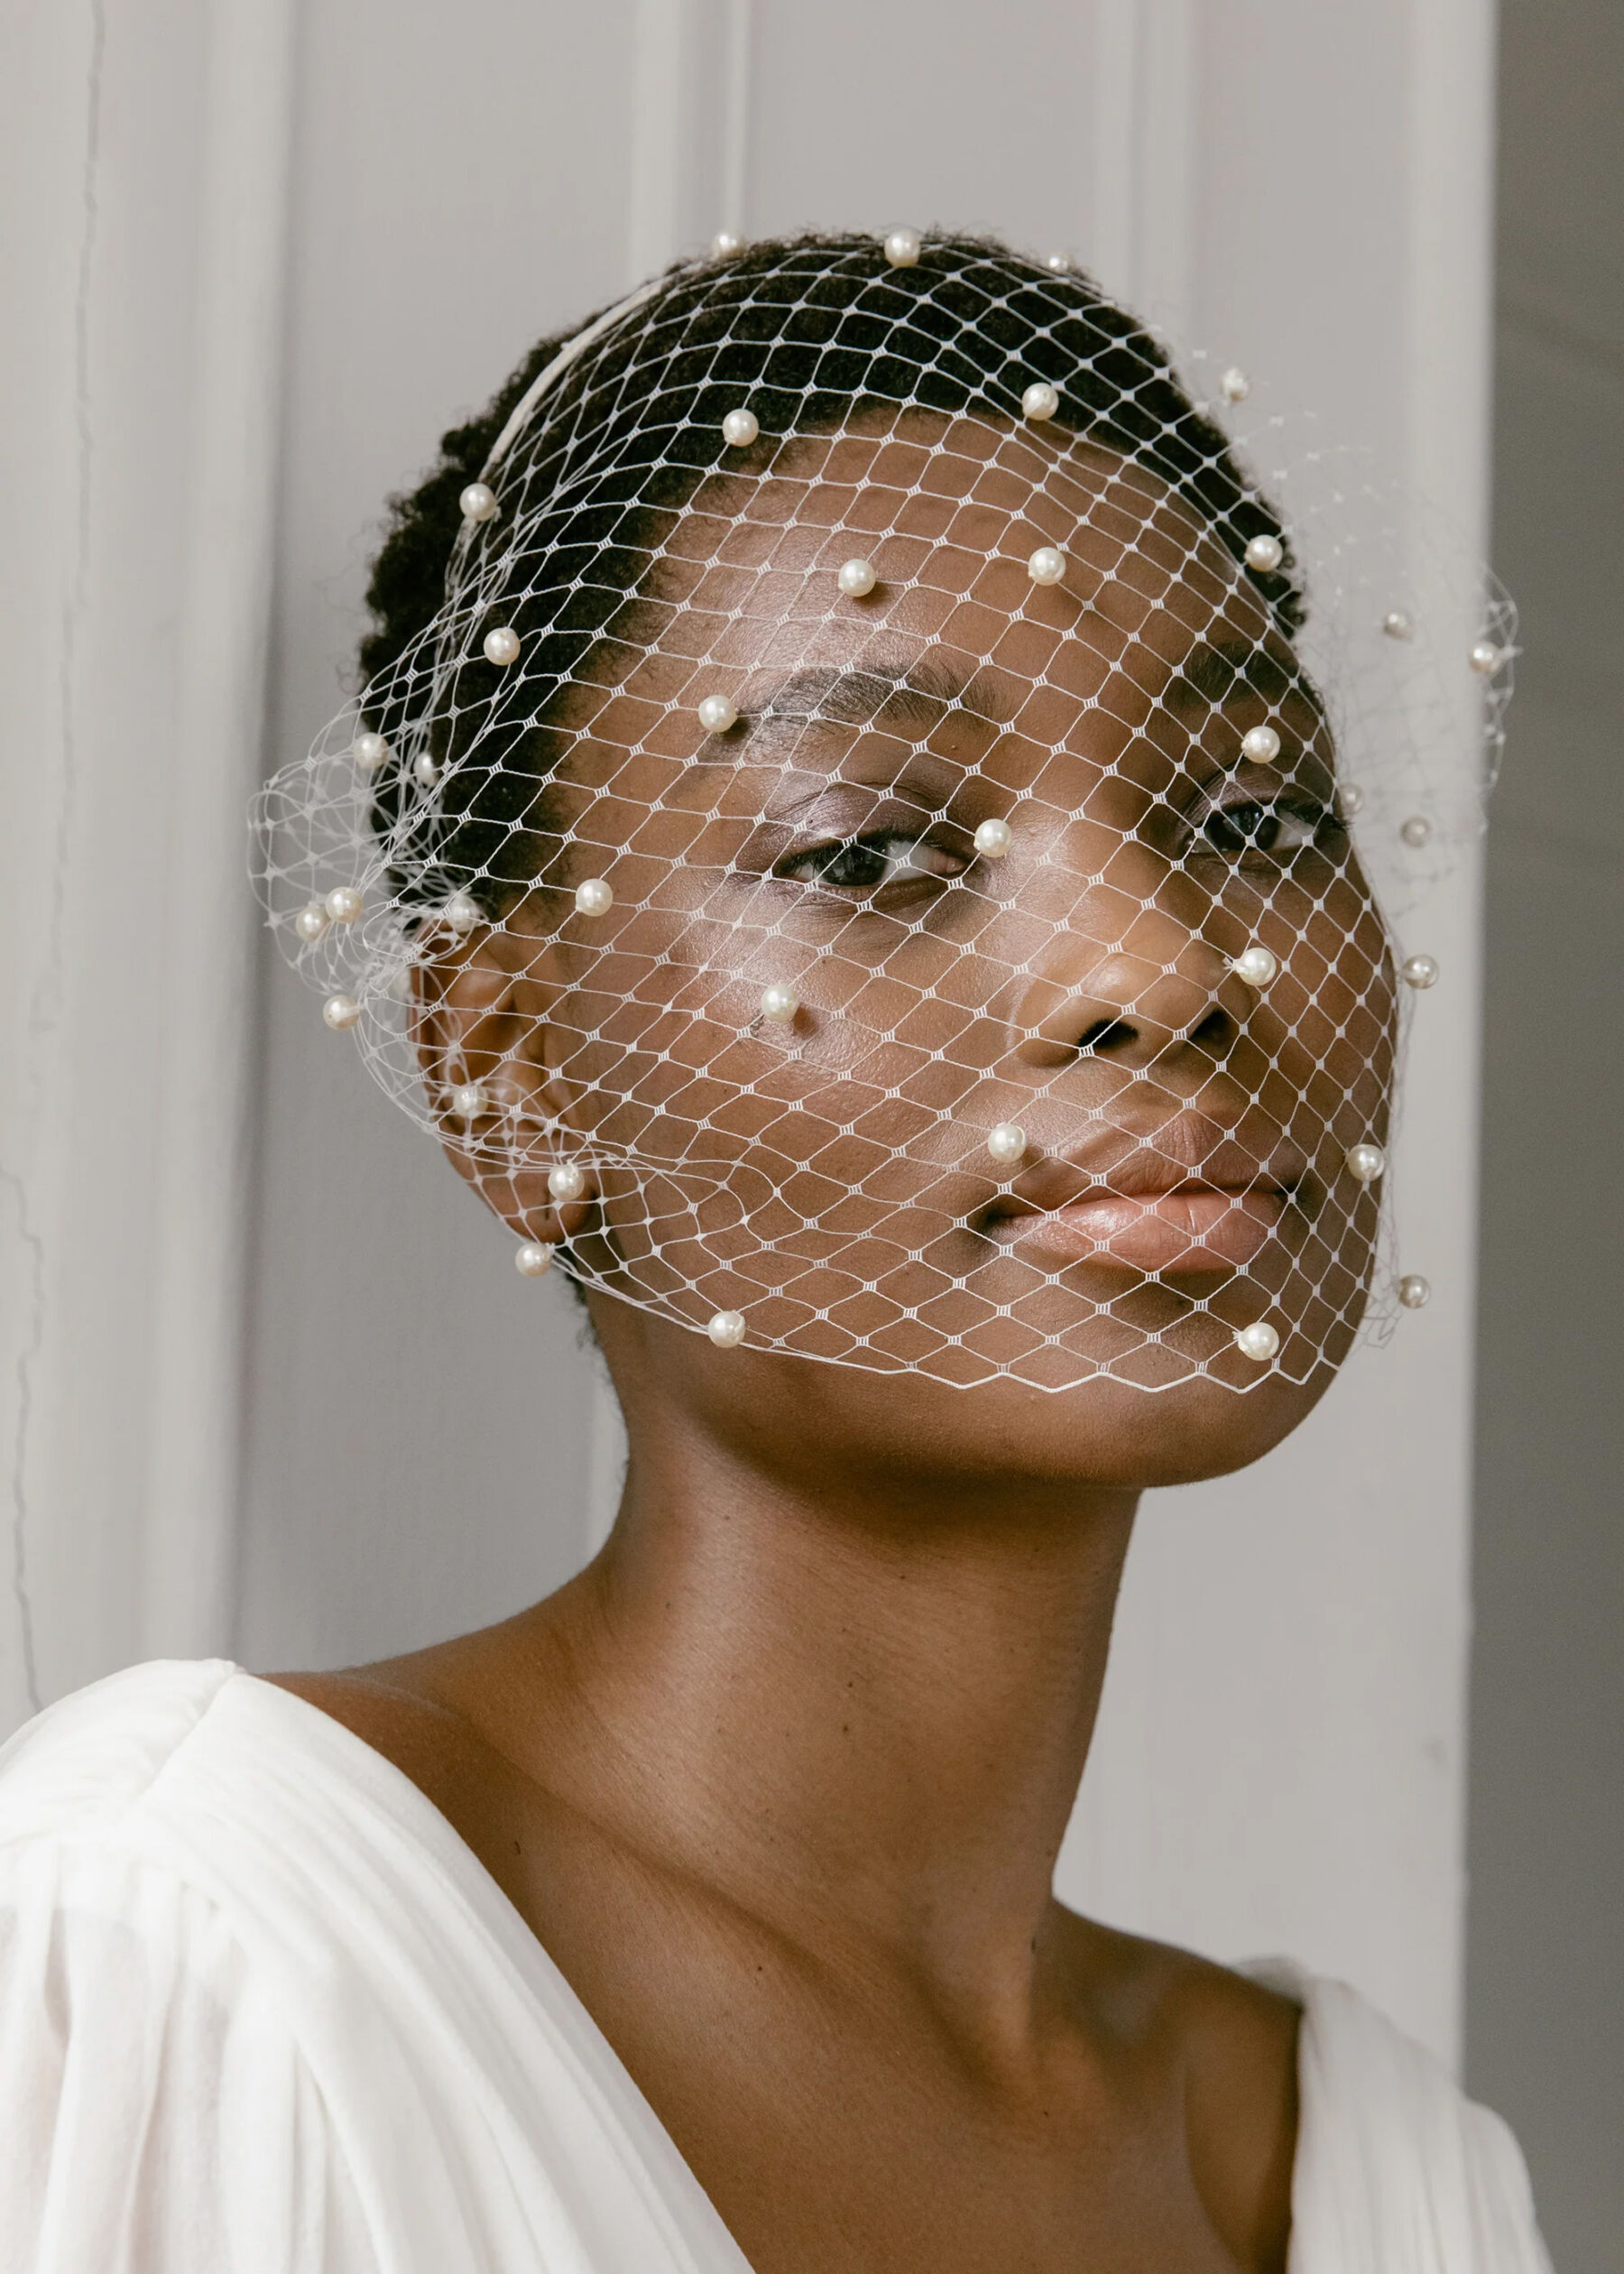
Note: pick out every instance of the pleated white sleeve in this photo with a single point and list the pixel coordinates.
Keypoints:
(155, 2114)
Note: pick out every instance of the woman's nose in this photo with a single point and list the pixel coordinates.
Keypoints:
(1120, 1005)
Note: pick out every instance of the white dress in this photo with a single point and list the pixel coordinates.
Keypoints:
(262, 2011)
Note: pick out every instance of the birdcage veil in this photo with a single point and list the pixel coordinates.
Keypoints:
(900, 846)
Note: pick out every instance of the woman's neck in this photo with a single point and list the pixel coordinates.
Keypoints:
(857, 1700)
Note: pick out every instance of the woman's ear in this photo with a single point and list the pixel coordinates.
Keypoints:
(480, 1006)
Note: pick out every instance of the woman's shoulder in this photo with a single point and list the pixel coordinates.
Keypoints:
(84, 1763)
(259, 2005)
(152, 2081)
(198, 1767)
(1225, 2048)
(136, 1808)
(193, 1807)
(1395, 2166)
(197, 1774)
(1309, 2108)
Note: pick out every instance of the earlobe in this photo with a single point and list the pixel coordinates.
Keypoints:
(480, 1030)
(478, 1044)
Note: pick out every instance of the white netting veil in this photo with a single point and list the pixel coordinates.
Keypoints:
(887, 848)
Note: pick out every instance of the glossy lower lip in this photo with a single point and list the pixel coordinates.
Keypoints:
(1192, 1228)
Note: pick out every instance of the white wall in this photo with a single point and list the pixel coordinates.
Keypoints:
(1301, 189)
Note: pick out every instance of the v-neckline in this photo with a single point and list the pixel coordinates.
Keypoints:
(388, 1785)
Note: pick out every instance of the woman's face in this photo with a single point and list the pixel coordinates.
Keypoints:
(1177, 1167)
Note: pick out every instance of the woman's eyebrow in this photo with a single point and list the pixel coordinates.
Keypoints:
(1215, 669)
(910, 695)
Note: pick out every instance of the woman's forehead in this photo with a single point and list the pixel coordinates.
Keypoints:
(744, 576)
(940, 501)
(956, 649)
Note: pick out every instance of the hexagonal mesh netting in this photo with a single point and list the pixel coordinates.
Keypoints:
(888, 849)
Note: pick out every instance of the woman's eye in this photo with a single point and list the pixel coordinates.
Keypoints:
(1275, 826)
(866, 863)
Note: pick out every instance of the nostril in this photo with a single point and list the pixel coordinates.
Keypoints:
(1106, 1034)
(1214, 1031)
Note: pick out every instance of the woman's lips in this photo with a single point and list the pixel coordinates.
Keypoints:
(1186, 1196)
(1194, 1227)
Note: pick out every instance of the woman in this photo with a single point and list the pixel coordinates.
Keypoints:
(842, 849)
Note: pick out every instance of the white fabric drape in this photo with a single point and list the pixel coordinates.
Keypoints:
(262, 2013)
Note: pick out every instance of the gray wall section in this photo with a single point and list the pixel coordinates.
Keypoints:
(1545, 1925)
